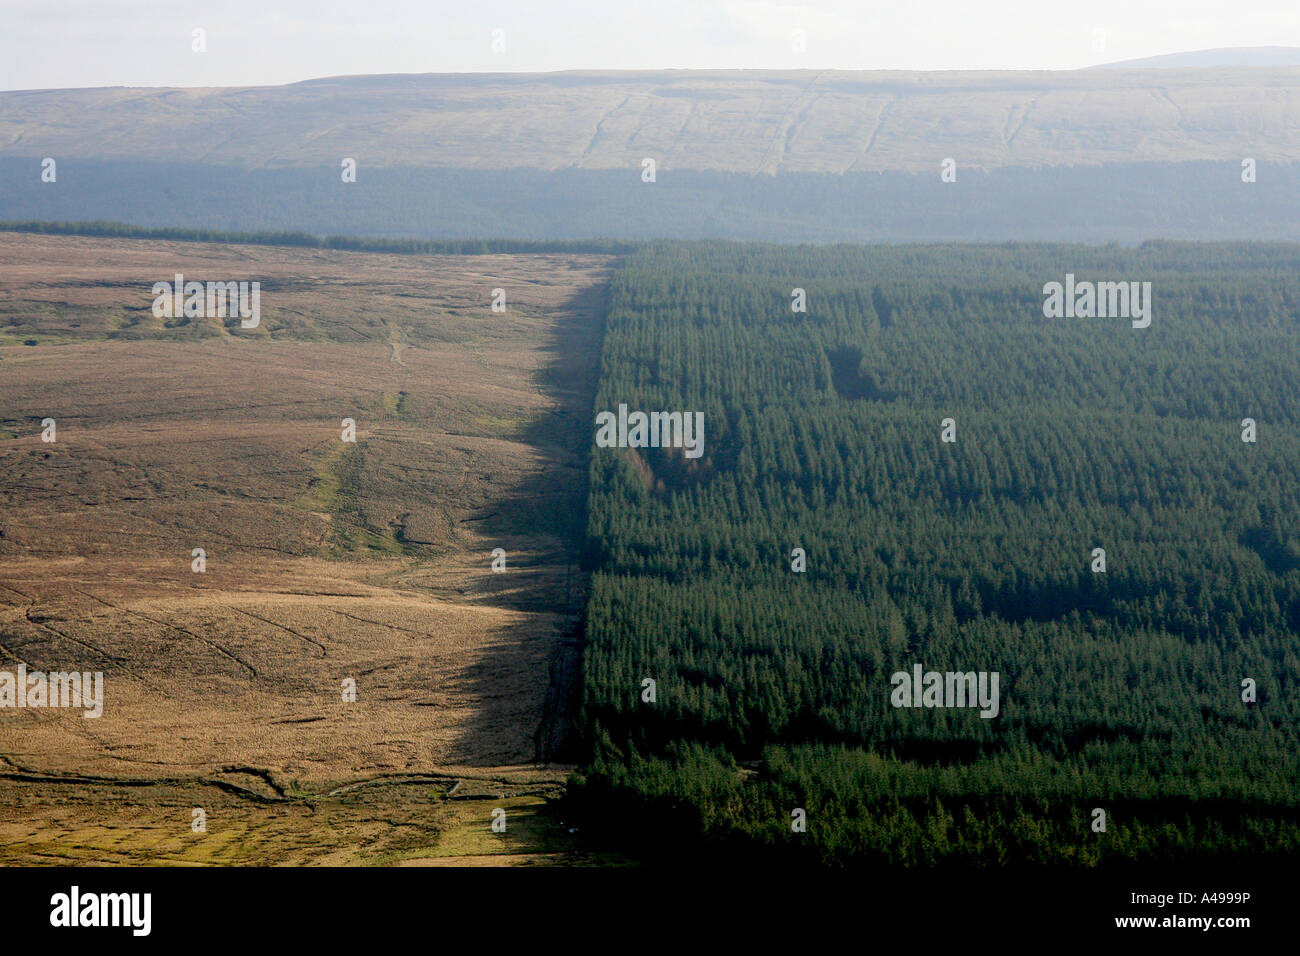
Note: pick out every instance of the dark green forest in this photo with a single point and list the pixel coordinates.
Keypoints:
(420, 247)
(1119, 202)
(1120, 690)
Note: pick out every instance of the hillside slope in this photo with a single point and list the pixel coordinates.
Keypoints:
(733, 121)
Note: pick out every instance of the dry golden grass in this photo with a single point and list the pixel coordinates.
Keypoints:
(325, 560)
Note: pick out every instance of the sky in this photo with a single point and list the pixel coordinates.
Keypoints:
(77, 43)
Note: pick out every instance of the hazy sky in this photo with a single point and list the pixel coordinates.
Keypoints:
(67, 43)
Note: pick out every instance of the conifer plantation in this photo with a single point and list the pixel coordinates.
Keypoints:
(1121, 690)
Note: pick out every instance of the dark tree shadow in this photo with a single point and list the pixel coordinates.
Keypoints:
(545, 517)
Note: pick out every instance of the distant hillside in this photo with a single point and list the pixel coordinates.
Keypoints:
(1090, 155)
(732, 121)
(1256, 56)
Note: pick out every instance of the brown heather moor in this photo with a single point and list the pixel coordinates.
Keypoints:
(325, 560)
